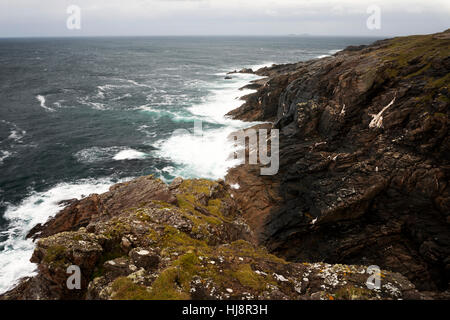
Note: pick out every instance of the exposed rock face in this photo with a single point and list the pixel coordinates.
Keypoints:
(364, 159)
(363, 180)
(79, 213)
(196, 248)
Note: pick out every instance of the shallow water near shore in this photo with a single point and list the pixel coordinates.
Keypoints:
(77, 115)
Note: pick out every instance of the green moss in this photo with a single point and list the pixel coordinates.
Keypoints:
(175, 241)
(77, 237)
(125, 289)
(165, 286)
(439, 83)
(55, 255)
(117, 229)
(186, 201)
(162, 204)
(188, 267)
(195, 199)
(197, 186)
(214, 206)
(353, 293)
(174, 282)
(153, 235)
(143, 216)
(403, 51)
(212, 220)
(248, 278)
(243, 248)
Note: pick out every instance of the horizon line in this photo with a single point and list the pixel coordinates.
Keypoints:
(196, 35)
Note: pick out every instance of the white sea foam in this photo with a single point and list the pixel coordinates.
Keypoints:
(96, 154)
(206, 156)
(330, 53)
(58, 104)
(129, 154)
(94, 105)
(224, 98)
(209, 155)
(101, 154)
(3, 155)
(178, 116)
(126, 95)
(262, 65)
(138, 84)
(145, 129)
(36, 208)
(334, 51)
(104, 90)
(42, 101)
(17, 134)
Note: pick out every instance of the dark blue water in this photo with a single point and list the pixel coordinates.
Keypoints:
(79, 114)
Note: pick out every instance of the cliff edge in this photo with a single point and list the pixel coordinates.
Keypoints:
(364, 159)
(363, 180)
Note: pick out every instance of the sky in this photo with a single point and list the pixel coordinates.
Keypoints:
(44, 18)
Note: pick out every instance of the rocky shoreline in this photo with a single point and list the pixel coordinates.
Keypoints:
(364, 159)
(193, 244)
(363, 180)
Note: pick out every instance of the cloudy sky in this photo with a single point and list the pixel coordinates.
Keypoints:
(221, 17)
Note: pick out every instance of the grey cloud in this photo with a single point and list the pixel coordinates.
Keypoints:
(189, 17)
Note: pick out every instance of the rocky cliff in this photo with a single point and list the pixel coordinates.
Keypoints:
(363, 180)
(146, 240)
(364, 159)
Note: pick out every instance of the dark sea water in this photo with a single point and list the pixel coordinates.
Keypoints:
(77, 115)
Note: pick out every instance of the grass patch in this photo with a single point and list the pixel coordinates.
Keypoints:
(125, 289)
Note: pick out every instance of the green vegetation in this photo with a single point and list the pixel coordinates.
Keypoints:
(117, 228)
(353, 293)
(248, 278)
(55, 255)
(125, 289)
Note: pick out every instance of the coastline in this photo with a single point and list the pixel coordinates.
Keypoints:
(343, 196)
(350, 191)
(40, 207)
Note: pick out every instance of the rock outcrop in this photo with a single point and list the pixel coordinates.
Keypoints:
(363, 180)
(364, 159)
(136, 246)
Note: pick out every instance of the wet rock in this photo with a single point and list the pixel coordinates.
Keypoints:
(348, 192)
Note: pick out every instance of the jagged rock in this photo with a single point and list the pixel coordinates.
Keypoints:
(364, 159)
(347, 192)
(120, 196)
(195, 249)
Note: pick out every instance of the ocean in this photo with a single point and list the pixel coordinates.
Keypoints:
(79, 114)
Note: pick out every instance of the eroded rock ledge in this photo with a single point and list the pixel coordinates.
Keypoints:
(364, 159)
(146, 240)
